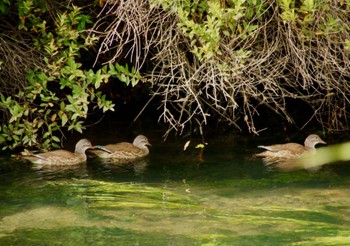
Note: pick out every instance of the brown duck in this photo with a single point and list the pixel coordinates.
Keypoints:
(124, 151)
(291, 150)
(61, 157)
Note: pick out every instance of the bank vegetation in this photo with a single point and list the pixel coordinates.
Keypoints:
(234, 62)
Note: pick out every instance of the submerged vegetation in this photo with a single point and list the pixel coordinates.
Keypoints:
(231, 61)
(108, 211)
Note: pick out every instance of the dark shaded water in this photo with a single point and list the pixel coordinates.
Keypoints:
(174, 198)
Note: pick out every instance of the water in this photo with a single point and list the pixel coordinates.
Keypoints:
(174, 197)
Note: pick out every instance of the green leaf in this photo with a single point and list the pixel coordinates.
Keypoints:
(64, 119)
(55, 145)
(56, 139)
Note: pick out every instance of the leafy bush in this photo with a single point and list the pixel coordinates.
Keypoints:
(59, 93)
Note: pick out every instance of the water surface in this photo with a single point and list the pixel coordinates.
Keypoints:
(174, 197)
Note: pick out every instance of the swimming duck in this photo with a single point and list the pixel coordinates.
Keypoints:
(61, 157)
(124, 151)
(291, 150)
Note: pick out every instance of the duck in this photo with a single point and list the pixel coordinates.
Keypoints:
(124, 151)
(290, 150)
(61, 157)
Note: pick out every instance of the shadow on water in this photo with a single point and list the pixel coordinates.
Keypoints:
(174, 197)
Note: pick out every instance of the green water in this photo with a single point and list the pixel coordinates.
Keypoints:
(174, 198)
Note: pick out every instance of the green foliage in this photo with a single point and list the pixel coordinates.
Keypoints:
(306, 15)
(208, 23)
(60, 95)
(288, 14)
(4, 4)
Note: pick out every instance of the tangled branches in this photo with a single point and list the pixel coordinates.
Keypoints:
(245, 64)
(16, 56)
(18, 46)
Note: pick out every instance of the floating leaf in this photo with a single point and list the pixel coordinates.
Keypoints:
(187, 144)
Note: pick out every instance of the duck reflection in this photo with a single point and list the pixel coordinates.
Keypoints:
(65, 171)
(137, 166)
